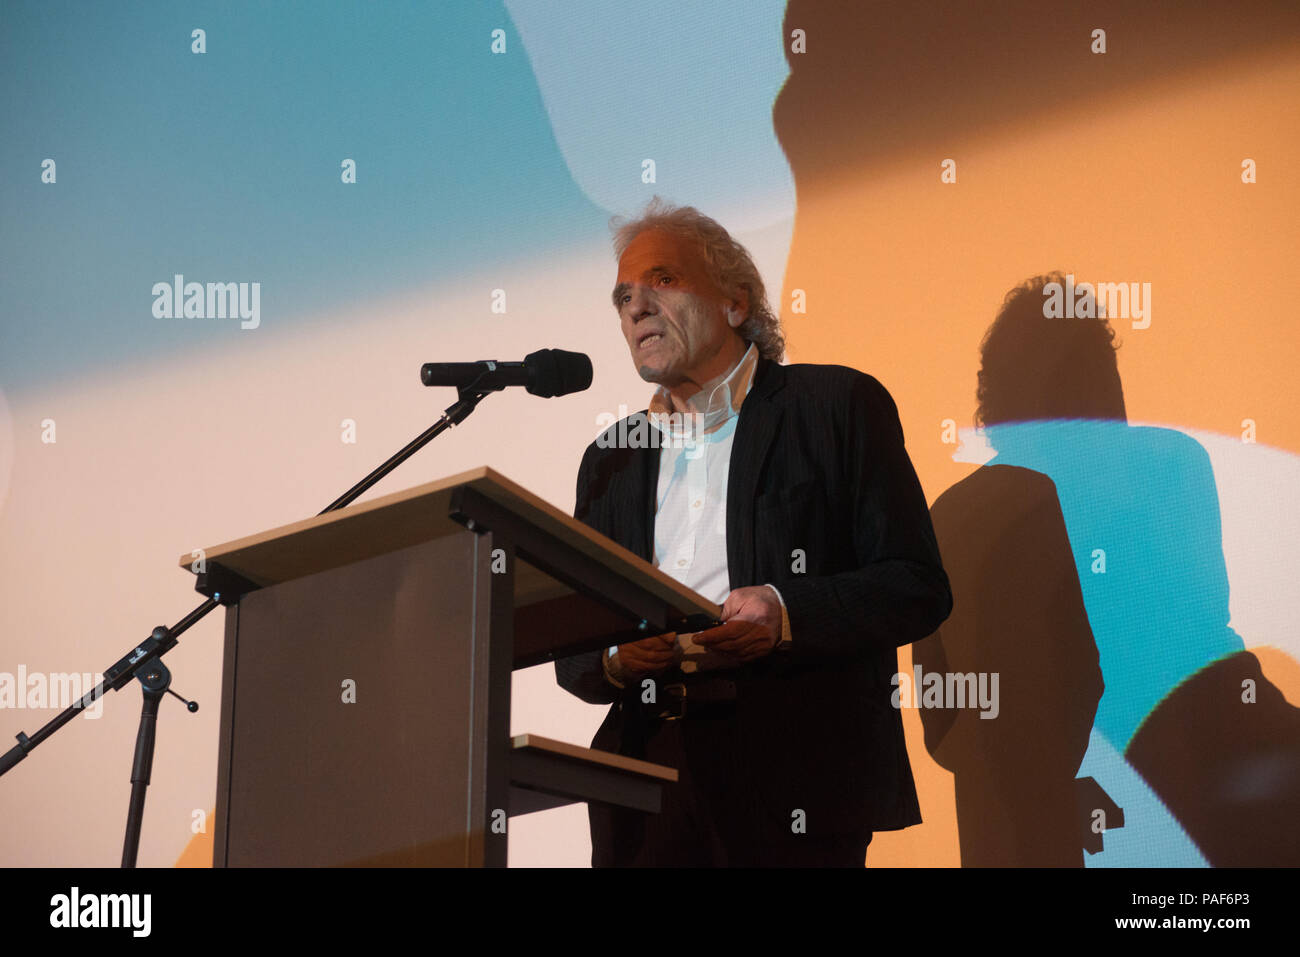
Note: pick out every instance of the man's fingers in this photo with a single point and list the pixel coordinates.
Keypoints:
(727, 631)
(739, 646)
(667, 640)
(749, 638)
(654, 643)
(729, 607)
(649, 657)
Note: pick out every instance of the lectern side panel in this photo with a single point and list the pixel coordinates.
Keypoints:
(351, 718)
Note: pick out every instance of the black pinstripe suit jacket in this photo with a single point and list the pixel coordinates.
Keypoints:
(823, 503)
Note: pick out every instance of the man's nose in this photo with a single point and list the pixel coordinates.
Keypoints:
(640, 301)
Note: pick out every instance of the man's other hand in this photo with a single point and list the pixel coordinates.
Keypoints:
(649, 656)
(751, 624)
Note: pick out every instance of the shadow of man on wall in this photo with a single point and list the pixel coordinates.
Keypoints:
(1087, 569)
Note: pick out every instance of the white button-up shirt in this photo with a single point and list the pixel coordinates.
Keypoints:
(694, 462)
(691, 499)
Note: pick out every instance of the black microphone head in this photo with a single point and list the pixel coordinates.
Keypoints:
(553, 372)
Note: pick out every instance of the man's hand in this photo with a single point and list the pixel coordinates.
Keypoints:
(752, 624)
(649, 656)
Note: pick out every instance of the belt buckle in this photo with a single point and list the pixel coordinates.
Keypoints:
(678, 690)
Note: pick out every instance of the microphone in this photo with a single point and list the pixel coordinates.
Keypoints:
(546, 372)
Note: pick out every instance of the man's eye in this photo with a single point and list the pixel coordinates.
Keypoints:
(665, 278)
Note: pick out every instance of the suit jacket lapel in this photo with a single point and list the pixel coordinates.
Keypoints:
(755, 430)
(645, 490)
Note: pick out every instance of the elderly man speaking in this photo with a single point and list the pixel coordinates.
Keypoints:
(784, 493)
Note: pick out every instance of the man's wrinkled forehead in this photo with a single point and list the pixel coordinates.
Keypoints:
(656, 251)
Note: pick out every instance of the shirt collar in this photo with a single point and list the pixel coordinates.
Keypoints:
(709, 409)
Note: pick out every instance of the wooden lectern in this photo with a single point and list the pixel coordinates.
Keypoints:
(365, 703)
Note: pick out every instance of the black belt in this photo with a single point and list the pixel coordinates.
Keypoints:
(700, 697)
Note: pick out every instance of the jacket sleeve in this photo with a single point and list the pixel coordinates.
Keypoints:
(584, 674)
(899, 592)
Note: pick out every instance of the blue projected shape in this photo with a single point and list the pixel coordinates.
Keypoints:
(1143, 501)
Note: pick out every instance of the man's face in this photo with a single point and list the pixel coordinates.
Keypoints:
(675, 320)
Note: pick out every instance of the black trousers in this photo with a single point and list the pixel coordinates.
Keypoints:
(714, 816)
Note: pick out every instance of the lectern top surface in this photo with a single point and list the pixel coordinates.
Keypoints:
(419, 514)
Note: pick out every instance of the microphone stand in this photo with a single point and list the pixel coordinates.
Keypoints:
(144, 661)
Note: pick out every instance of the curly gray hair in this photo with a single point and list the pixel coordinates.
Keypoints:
(727, 262)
